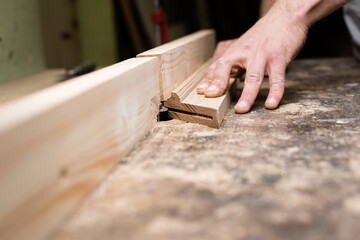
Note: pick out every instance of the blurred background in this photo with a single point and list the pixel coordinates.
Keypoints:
(40, 34)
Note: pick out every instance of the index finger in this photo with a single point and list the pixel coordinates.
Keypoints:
(253, 80)
(220, 79)
(208, 79)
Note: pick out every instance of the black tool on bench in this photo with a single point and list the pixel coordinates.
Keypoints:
(79, 70)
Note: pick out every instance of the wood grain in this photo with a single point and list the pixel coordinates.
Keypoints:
(185, 104)
(57, 144)
(291, 173)
(180, 58)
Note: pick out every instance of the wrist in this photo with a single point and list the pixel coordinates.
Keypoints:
(299, 12)
(293, 14)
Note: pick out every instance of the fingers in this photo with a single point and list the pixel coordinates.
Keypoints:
(253, 80)
(220, 78)
(208, 79)
(217, 80)
(220, 50)
(277, 84)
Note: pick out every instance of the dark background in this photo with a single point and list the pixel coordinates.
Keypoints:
(231, 18)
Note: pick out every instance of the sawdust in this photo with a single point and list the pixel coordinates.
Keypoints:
(352, 205)
(304, 108)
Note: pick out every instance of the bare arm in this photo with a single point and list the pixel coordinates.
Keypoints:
(266, 49)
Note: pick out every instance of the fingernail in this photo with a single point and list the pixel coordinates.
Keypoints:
(243, 105)
(212, 88)
(272, 102)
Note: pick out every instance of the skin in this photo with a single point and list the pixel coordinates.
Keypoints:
(266, 49)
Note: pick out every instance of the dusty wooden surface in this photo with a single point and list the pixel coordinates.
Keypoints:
(292, 173)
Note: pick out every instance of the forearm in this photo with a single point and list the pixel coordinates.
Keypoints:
(308, 12)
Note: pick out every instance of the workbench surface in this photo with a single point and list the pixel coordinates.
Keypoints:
(292, 173)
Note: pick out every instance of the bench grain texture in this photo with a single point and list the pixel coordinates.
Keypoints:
(291, 173)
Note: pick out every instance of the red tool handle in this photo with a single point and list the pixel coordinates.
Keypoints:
(160, 18)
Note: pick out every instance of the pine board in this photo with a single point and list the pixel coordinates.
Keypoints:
(57, 144)
(180, 58)
(185, 104)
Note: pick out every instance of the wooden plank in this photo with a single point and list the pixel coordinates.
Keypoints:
(185, 104)
(180, 58)
(57, 144)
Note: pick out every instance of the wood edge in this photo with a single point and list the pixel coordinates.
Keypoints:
(186, 87)
(192, 82)
(176, 43)
(83, 86)
(194, 119)
(207, 35)
(22, 110)
(196, 113)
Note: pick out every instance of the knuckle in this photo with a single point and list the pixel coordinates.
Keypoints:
(208, 78)
(277, 88)
(276, 92)
(246, 45)
(253, 78)
(220, 84)
(278, 80)
(276, 55)
(273, 56)
(223, 61)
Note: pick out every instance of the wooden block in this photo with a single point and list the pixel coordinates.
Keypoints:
(180, 58)
(57, 144)
(185, 104)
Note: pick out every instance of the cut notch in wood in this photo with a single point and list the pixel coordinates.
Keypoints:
(185, 104)
(181, 58)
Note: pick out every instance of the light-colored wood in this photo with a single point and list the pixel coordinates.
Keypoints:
(57, 144)
(180, 58)
(185, 104)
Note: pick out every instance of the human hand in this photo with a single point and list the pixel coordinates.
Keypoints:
(266, 49)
